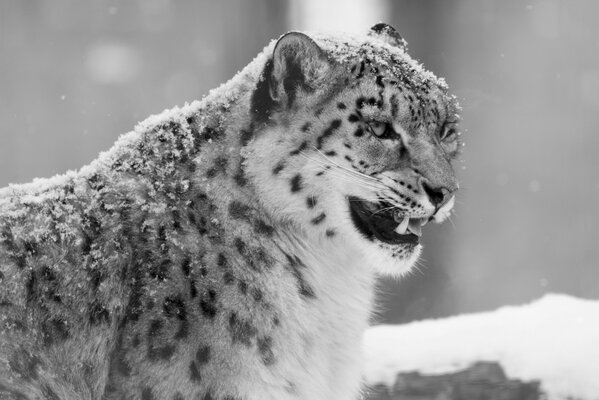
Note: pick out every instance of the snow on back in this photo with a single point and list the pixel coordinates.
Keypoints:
(554, 340)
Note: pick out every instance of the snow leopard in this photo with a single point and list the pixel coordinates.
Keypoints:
(228, 249)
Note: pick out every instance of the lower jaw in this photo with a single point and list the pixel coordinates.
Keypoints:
(395, 262)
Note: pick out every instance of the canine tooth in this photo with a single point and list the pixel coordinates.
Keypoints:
(401, 228)
(414, 227)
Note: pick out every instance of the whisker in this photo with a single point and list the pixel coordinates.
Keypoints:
(373, 182)
(347, 169)
(343, 173)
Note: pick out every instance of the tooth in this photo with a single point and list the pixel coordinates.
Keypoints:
(401, 228)
(414, 226)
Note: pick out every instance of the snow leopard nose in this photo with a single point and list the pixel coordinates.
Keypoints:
(438, 195)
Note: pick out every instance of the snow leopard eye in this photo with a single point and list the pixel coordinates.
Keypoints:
(382, 130)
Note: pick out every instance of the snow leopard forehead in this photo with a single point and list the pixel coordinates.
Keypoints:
(347, 49)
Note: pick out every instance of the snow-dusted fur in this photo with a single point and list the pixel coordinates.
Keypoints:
(210, 254)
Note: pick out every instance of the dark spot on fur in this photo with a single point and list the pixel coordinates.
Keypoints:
(193, 291)
(280, 165)
(348, 158)
(194, 372)
(174, 307)
(335, 124)
(263, 228)
(150, 304)
(295, 264)
(311, 201)
(208, 396)
(154, 329)
(186, 266)
(208, 304)
(240, 245)
(240, 177)
(136, 341)
(238, 210)
(300, 148)
(161, 238)
(243, 287)
(306, 127)
(361, 71)
(183, 331)
(98, 314)
(257, 294)
(176, 217)
(353, 118)
(296, 183)
(360, 102)
(359, 132)
(20, 260)
(146, 394)
(318, 219)
(222, 260)
(330, 232)
(211, 133)
(228, 278)
(47, 284)
(159, 270)
(331, 153)
(265, 349)
(341, 106)
(203, 355)
(379, 81)
(54, 330)
(241, 331)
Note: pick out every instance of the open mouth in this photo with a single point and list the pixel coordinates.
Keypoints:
(383, 222)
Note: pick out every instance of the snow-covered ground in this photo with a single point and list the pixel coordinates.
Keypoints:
(554, 340)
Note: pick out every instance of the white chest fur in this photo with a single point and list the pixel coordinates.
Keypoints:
(324, 337)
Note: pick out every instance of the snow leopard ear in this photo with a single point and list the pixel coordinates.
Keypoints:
(298, 64)
(389, 35)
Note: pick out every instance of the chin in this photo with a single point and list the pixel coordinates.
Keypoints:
(392, 237)
(392, 260)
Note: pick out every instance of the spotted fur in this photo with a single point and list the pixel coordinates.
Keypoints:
(210, 254)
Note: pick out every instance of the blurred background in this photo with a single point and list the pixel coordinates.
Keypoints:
(76, 74)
